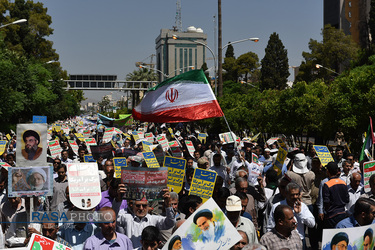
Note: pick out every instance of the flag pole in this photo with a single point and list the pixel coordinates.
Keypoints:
(235, 139)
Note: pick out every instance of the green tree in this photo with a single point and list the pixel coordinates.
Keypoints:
(229, 65)
(104, 104)
(29, 39)
(247, 64)
(336, 51)
(275, 68)
(142, 74)
(230, 51)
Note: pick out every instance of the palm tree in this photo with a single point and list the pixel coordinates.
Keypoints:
(142, 74)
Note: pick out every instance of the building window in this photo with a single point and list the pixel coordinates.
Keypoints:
(350, 14)
(350, 3)
(181, 58)
(190, 59)
(185, 60)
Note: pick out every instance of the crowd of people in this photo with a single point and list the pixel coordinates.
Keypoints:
(271, 208)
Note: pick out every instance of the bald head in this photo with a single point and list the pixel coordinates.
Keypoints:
(355, 180)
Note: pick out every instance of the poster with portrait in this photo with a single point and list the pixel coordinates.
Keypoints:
(30, 181)
(349, 238)
(218, 232)
(84, 185)
(31, 144)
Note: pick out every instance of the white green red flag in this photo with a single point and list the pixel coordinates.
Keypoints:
(183, 98)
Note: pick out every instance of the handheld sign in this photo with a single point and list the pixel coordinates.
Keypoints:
(280, 158)
(90, 142)
(149, 137)
(39, 119)
(54, 148)
(108, 134)
(73, 144)
(89, 158)
(150, 159)
(176, 172)
(144, 182)
(368, 169)
(119, 162)
(190, 147)
(38, 241)
(228, 137)
(3, 145)
(84, 185)
(203, 183)
(163, 142)
(146, 146)
(323, 153)
(202, 137)
(217, 231)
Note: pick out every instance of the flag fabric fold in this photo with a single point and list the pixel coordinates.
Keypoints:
(183, 98)
(369, 141)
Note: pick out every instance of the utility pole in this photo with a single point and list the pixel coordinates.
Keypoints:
(220, 52)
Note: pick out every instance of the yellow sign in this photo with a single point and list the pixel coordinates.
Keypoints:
(119, 162)
(323, 153)
(151, 160)
(80, 136)
(203, 183)
(8, 137)
(3, 145)
(176, 173)
(280, 158)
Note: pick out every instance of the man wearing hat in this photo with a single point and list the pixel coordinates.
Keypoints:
(32, 151)
(210, 230)
(304, 177)
(234, 207)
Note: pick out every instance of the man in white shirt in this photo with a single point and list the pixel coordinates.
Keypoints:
(132, 225)
(300, 210)
(355, 190)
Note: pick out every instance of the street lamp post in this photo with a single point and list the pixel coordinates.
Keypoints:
(15, 22)
(318, 66)
(188, 67)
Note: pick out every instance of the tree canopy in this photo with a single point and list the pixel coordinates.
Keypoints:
(275, 67)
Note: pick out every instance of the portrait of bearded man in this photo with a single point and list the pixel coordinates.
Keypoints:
(32, 151)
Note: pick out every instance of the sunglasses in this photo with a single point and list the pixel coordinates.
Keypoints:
(139, 205)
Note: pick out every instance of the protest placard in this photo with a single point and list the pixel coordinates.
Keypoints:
(80, 136)
(202, 137)
(119, 162)
(129, 152)
(108, 134)
(272, 140)
(84, 185)
(228, 137)
(159, 153)
(175, 148)
(135, 135)
(32, 149)
(55, 148)
(279, 162)
(149, 137)
(39, 242)
(323, 153)
(86, 133)
(203, 183)
(4, 165)
(73, 144)
(349, 238)
(150, 160)
(144, 182)
(162, 140)
(8, 137)
(88, 158)
(368, 169)
(176, 172)
(170, 130)
(218, 233)
(90, 142)
(3, 145)
(103, 150)
(146, 145)
(190, 147)
(30, 181)
(39, 119)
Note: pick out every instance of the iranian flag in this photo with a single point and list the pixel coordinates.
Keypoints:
(183, 98)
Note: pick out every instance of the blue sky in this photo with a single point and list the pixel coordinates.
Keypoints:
(108, 37)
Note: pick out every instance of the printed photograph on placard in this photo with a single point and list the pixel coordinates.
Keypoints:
(33, 148)
(29, 181)
(144, 182)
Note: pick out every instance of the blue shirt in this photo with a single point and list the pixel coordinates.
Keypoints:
(348, 222)
(98, 241)
(74, 237)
